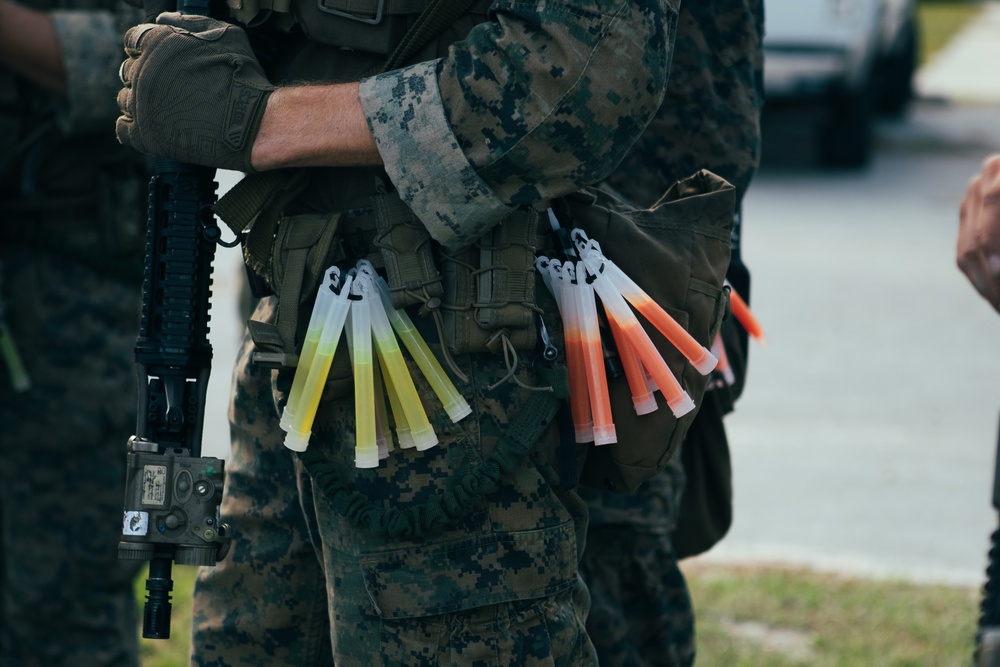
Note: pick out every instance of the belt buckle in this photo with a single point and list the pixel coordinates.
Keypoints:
(379, 11)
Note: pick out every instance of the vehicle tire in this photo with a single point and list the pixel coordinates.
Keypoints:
(896, 73)
(846, 138)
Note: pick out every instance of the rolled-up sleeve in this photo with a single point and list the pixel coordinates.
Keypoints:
(537, 103)
(91, 46)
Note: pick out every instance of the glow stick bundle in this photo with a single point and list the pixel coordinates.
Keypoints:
(359, 305)
(574, 284)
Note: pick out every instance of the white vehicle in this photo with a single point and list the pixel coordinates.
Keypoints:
(852, 58)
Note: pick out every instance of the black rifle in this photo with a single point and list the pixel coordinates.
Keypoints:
(173, 494)
(987, 652)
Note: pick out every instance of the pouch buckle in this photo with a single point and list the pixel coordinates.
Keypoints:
(379, 11)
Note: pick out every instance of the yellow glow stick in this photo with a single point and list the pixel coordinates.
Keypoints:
(699, 356)
(383, 434)
(677, 399)
(314, 330)
(365, 447)
(454, 403)
(420, 428)
(402, 427)
(300, 426)
(593, 359)
(19, 379)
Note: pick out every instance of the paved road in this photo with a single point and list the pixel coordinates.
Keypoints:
(866, 438)
(865, 441)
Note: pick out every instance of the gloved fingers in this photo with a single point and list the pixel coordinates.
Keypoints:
(123, 129)
(201, 27)
(134, 35)
(125, 101)
(126, 71)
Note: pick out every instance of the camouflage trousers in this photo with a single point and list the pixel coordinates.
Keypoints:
(641, 613)
(305, 586)
(66, 598)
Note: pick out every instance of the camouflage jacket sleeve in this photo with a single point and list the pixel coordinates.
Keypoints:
(91, 45)
(537, 103)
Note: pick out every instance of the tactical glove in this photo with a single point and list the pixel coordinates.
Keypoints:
(194, 92)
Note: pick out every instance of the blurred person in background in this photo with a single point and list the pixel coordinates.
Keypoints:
(72, 220)
(641, 612)
(978, 251)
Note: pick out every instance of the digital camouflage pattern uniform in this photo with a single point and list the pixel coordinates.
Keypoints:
(641, 613)
(72, 219)
(465, 143)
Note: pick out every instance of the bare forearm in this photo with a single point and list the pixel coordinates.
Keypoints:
(314, 126)
(28, 45)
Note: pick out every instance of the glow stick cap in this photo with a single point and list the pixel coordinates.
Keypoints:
(706, 363)
(424, 439)
(405, 439)
(604, 434)
(383, 448)
(286, 420)
(585, 432)
(681, 404)
(295, 441)
(366, 457)
(458, 409)
(645, 404)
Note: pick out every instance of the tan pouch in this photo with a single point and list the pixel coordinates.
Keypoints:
(489, 289)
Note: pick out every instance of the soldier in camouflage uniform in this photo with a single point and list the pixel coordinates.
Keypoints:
(72, 219)
(501, 111)
(641, 613)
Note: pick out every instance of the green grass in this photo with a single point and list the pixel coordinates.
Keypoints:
(765, 617)
(777, 617)
(940, 20)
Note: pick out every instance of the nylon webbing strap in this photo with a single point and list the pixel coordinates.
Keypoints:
(259, 198)
(432, 21)
(462, 497)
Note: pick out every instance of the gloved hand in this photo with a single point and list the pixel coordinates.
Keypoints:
(194, 92)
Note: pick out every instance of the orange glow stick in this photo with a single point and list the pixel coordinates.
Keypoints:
(579, 394)
(642, 396)
(593, 359)
(719, 350)
(741, 311)
(703, 360)
(677, 399)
